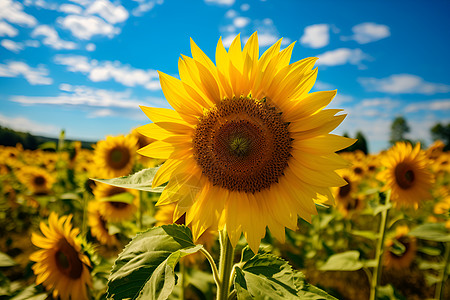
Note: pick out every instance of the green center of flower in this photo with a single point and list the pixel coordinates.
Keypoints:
(242, 144)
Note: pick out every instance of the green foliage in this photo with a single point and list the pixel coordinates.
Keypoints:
(307, 291)
(346, 261)
(141, 180)
(146, 267)
(442, 132)
(431, 232)
(6, 261)
(399, 128)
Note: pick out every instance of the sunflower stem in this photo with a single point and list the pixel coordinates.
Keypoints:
(213, 265)
(183, 278)
(376, 276)
(225, 265)
(439, 293)
(84, 224)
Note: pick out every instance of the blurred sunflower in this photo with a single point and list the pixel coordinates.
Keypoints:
(115, 211)
(142, 142)
(60, 265)
(115, 156)
(406, 175)
(442, 210)
(37, 180)
(347, 200)
(400, 249)
(247, 144)
(98, 225)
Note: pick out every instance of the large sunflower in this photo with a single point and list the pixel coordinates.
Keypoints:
(406, 175)
(247, 144)
(60, 266)
(115, 156)
(114, 211)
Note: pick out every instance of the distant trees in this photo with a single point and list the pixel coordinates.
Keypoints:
(399, 128)
(9, 137)
(360, 144)
(441, 132)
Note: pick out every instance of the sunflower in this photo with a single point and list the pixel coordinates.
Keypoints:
(60, 266)
(442, 210)
(247, 144)
(400, 249)
(347, 200)
(406, 175)
(115, 156)
(114, 211)
(98, 225)
(143, 141)
(36, 179)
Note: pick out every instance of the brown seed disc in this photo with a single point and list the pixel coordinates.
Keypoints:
(118, 157)
(404, 176)
(67, 260)
(242, 144)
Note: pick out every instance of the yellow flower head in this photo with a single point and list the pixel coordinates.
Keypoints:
(246, 143)
(114, 211)
(406, 175)
(98, 225)
(347, 200)
(115, 156)
(60, 265)
(400, 249)
(36, 179)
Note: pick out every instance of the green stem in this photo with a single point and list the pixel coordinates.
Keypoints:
(376, 276)
(213, 265)
(439, 293)
(225, 265)
(84, 224)
(183, 278)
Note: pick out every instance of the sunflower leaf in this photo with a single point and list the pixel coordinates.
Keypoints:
(308, 291)
(6, 261)
(345, 261)
(146, 267)
(431, 232)
(141, 180)
(265, 276)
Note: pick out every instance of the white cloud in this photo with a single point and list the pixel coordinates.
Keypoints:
(220, 2)
(231, 14)
(51, 38)
(245, 7)
(267, 33)
(101, 113)
(403, 84)
(342, 56)
(70, 9)
(434, 105)
(13, 12)
(32, 43)
(108, 70)
(267, 39)
(370, 32)
(26, 125)
(228, 40)
(12, 46)
(90, 47)
(145, 6)
(108, 11)
(316, 36)
(84, 27)
(86, 97)
(7, 30)
(240, 22)
(384, 103)
(35, 76)
(323, 86)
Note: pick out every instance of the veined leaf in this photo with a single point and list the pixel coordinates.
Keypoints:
(307, 291)
(145, 268)
(141, 180)
(346, 261)
(431, 232)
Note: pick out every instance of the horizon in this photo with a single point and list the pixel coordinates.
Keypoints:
(85, 66)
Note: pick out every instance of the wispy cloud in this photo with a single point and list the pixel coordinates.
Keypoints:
(403, 84)
(85, 27)
(12, 46)
(112, 13)
(24, 124)
(35, 76)
(145, 6)
(433, 105)
(12, 12)
(316, 36)
(70, 9)
(220, 2)
(369, 32)
(108, 70)
(7, 30)
(343, 56)
(51, 38)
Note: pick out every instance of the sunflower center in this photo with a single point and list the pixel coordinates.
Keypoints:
(404, 176)
(242, 144)
(118, 205)
(358, 170)
(39, 180)
(67, 260)
(345, 190)
(119, 157)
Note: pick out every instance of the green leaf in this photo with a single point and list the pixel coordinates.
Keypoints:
(6, 261)
(381, 208)
(387, 292)
(265, 276)
(141, 180)
(346, 261)
(431, 232)
(48, 145)
(145, 268)
(122, 197)
(426, 265)
(30, 293)
(429, 251)
(366, 234)
(308, 291)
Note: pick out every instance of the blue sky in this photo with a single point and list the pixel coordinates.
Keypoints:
(87, 65)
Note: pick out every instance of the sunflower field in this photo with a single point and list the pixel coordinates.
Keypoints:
(236, 193)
